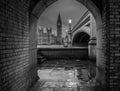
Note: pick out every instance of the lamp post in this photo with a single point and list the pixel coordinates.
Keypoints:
(70, 35)
(66, 39)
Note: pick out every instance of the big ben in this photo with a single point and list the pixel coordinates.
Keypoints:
(59, 29)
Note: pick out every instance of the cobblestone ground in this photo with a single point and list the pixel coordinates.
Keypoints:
(65, 75)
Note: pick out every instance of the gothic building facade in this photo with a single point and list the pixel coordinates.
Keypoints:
(45, 37)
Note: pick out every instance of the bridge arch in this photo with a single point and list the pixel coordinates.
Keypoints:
(41, 5)
(81, 39)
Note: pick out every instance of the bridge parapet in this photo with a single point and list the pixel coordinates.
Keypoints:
(84, 20)
(64, 53)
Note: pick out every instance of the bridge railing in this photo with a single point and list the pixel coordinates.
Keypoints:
(83, 20)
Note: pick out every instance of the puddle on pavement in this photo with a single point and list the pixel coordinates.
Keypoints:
(66, 78)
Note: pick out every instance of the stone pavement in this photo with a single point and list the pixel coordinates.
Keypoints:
(63, 75)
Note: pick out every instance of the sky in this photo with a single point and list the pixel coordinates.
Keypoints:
(69, 9)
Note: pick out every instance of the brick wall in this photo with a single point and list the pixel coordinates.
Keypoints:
(114, 29)
(106, 42)
(17, 73)
(111, 44)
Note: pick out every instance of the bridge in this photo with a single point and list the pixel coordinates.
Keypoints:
(84, 34)
(83, 21)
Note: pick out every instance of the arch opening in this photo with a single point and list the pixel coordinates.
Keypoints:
(38, 10)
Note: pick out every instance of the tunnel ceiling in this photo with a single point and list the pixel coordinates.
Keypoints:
(33, 3)
(99, 4)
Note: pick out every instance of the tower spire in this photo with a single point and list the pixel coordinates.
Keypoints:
(59, 17)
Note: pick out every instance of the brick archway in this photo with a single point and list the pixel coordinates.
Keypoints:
(91, 6)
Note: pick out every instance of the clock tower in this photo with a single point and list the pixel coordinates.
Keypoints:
(59, 29)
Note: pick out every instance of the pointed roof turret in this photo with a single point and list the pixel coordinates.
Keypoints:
(59, 18)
